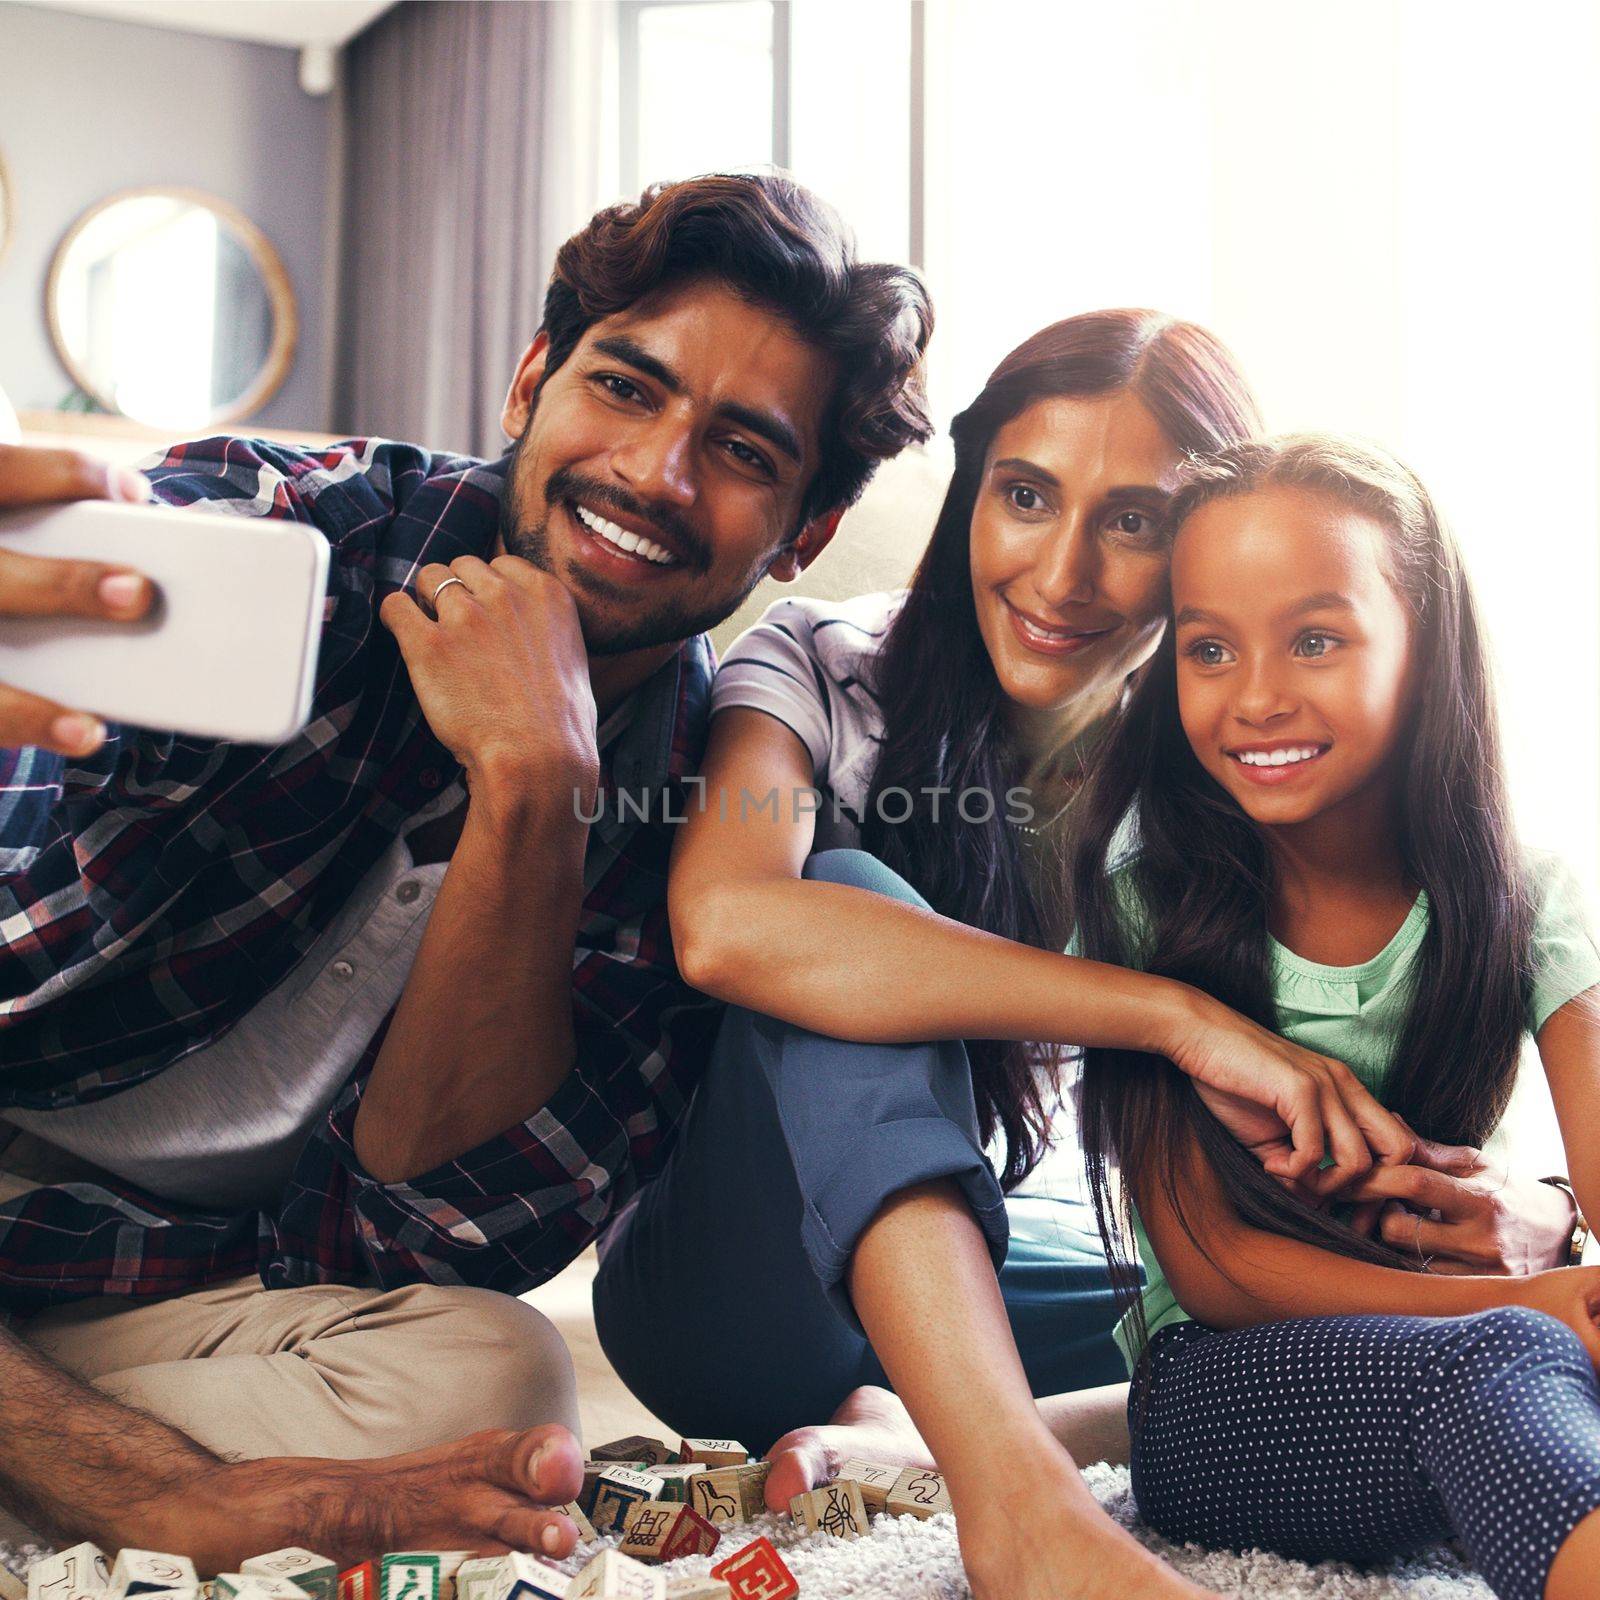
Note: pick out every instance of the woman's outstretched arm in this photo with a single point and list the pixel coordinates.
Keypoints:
(855, 965)
(1243, 1275)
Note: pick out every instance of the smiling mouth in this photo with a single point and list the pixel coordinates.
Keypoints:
(1052, 641)
(1276, 764)
(624, 541)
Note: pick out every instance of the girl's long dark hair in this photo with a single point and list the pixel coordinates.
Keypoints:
(942, 704)
(1201, 876)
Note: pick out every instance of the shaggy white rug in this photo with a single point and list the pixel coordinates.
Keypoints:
(909, 1560)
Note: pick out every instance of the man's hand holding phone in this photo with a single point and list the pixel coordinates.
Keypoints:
(37, 586)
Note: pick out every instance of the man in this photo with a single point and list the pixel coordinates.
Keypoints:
(377, 1019)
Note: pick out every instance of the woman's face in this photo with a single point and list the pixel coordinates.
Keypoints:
(1068, 558)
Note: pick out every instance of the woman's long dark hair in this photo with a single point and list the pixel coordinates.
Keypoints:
(1201, 876)
(942, 704)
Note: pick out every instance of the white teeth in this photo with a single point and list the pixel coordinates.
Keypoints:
(624, 538)
(1277, 758)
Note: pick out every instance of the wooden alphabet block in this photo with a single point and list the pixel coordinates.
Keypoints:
(484, 1578)
(533, 1579)
(256, 1586)
(73, 1574)
(713, 1452)
(699, 1589)
(636, 1447)
(717, 1496)
(645, 1527)
(614, 1576)
(757, 1572)
(752, 1479)
(835, 1508)
(317, 1575)
(918, 1493)
(11, 1586)
(360, 1582)
(675, 1476)
(691, 1535)
(149, 1572)
(875, 1480)
(586, 1529)
(409, 1575)
(616, 1490)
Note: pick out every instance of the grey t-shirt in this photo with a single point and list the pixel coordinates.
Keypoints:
(223, 1127)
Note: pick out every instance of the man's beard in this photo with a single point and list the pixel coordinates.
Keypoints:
(649, 623)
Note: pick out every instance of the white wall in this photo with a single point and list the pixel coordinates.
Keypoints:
(1387, 209)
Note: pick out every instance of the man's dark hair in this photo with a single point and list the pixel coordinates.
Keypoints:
(779, 246)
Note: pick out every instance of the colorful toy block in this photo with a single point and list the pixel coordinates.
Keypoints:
(255, 1586)
(77, 1573)
(317, 1575)
(713, 1452)
(360, 1582)
(149, 1572)
(918, 1493)
(875, 1480)
(617, 1489)
(409, 1575)
(757, 1572)
(675, 1476)
(586, 1529)
(691, 1535)
(614, 1576)
(835, 1508)
(533, 1579)
(636, 1447)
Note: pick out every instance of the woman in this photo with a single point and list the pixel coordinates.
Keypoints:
(947, 731)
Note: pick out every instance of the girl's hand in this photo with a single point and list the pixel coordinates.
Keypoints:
(1289, 1106)
(1571, 1295)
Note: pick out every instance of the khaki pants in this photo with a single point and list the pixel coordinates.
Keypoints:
(320, 1371)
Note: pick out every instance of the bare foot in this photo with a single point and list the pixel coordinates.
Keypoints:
(1040, 1535)
(488, 1493)
(871, 1423)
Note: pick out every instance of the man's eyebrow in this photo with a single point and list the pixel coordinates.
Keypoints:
(631, 351)
(773, 429)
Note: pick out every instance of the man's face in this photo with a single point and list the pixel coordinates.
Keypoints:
(660, 471)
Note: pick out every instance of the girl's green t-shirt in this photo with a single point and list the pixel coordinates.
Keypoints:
(1357, 1015)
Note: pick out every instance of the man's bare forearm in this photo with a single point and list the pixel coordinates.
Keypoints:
(78, 1465)
(483, 1033)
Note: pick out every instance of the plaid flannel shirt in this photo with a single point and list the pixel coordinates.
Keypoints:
(152, 893)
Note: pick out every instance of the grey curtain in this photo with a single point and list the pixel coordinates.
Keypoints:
(441, 263)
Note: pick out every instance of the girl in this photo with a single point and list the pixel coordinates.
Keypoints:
(843, 1143)
(1323, 841)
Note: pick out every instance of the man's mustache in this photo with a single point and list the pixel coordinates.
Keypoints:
(564, 485)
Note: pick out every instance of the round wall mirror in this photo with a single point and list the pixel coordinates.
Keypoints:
(171, 307)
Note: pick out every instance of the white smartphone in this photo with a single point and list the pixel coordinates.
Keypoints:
(228, 648)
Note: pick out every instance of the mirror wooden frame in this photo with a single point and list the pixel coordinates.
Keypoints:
(280, 296)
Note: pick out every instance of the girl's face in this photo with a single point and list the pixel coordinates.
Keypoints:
(1068, 558)
(1292, 652)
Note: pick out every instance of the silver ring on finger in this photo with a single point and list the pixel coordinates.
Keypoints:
(1418, 1243)
(441, 589)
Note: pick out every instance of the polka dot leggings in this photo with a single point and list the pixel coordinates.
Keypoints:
(1356, 1438)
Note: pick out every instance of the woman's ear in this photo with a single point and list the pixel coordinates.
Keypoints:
(812, 540)
(519, 397)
